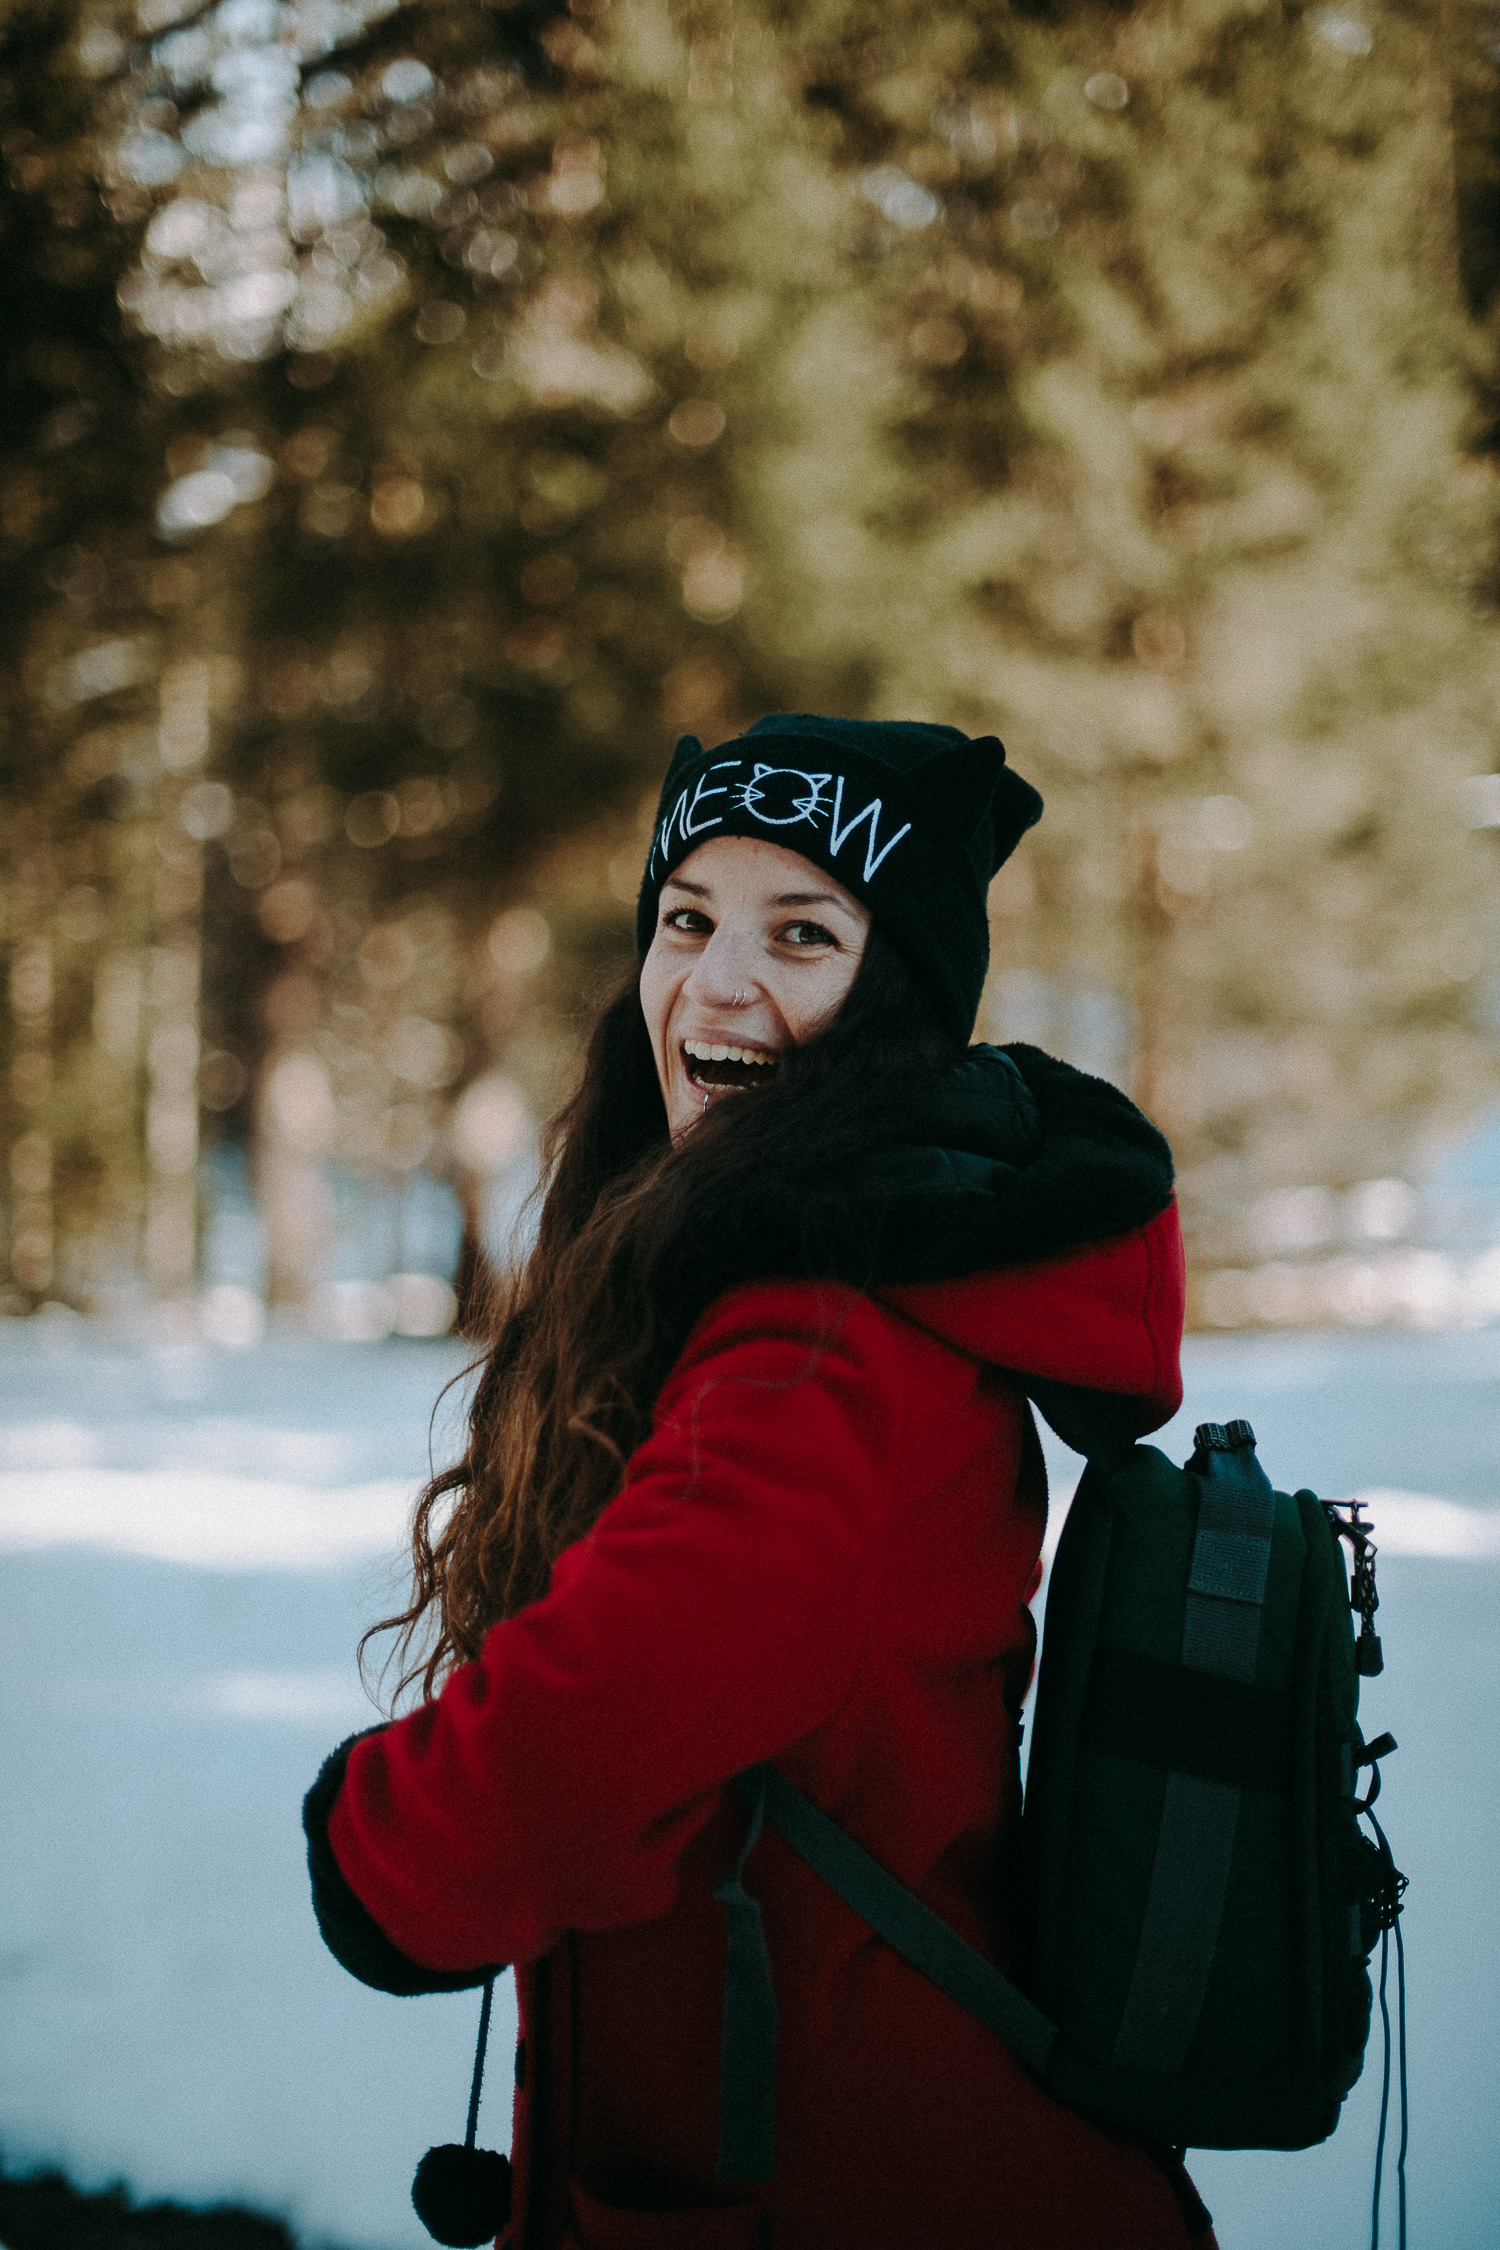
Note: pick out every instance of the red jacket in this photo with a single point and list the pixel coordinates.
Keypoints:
(822, 1555)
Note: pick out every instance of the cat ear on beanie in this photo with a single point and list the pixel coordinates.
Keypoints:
(964, 775)
(688, 750)
(913, 819)
(989, 802)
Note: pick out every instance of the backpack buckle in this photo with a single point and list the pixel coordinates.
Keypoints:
(1223, 1437)
(1368, 1661)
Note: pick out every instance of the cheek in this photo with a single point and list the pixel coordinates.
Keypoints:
(807, 1003)
(658, 990)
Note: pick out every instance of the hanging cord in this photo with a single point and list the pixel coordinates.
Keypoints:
(1379, 2140)
(1391, 1920)
(1345, 1520)
(462, 2194)
(484, 2035)
(1401, 2033)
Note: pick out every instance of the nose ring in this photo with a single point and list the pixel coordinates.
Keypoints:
(738, 1001)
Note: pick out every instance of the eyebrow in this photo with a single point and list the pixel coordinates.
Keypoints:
(783, 898)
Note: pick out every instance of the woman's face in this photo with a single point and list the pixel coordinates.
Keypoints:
(755, 949)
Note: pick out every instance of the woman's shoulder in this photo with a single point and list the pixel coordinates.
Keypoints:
(831, 1314)
(799, 1372)
(791, 1330)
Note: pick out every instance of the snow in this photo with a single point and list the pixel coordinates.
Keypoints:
(193, 1541)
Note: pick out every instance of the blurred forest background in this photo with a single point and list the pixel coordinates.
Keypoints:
(415, 414)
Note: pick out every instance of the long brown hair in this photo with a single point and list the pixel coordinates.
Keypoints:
(636, 1238)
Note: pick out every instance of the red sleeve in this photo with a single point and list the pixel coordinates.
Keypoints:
(715, 1614)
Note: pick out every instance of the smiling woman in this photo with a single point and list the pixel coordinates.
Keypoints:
(740, 969)
(751, 1479)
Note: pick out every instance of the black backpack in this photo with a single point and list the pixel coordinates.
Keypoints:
(1203, 1904)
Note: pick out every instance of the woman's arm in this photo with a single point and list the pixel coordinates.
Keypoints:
(714, 1615)
(348, 1928)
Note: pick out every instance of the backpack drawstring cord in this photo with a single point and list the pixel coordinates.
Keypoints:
(1392, 1923)
(484, 2036)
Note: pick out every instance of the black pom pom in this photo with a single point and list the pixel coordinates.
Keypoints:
(462, 2195)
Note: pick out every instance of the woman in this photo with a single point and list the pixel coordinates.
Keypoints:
(750, 1477)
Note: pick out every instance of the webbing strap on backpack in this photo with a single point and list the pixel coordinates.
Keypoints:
(747, 2086)
(747, 2070)
(1195, 1842)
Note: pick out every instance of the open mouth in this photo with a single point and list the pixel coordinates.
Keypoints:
(715, 1066)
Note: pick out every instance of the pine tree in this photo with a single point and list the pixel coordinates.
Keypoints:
(1136, 421)
(84, 618)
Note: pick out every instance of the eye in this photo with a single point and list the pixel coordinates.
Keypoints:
(808, 934)
(688, 919)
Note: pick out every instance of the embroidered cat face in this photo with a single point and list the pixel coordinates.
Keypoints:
(783, 795)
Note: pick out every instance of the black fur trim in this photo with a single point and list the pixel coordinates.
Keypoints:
(1096, 1168)
(350, 1931)
(1016, 1157)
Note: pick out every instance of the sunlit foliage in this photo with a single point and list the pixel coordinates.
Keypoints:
(413, 415)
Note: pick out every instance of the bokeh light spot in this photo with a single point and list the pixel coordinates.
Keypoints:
(1106, 90)
(696, 422)
(440, 322)
(372, 819)
(491, 1124)
(222, 1079)
(407, 80)
(519, 941)
(206, 809)
(287, 910)
(397, 506)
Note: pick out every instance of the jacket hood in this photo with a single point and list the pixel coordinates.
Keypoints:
(1093, 1335)
(1036, 1230)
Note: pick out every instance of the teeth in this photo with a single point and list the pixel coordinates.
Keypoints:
(703, 1050)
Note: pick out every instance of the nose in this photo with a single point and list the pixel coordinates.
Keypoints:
(723, 976)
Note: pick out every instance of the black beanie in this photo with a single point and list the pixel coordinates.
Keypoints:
(912, 819)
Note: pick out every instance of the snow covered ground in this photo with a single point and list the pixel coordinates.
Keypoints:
(192, 1541)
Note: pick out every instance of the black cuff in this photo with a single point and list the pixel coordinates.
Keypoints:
(350, 1931)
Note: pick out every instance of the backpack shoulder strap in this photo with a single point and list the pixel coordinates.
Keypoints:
(746, 2087)
(917, 1934)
